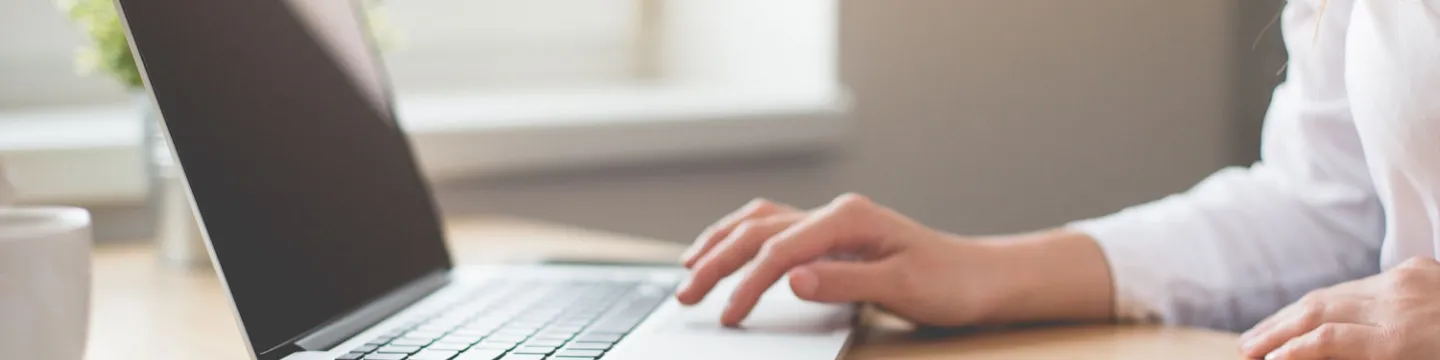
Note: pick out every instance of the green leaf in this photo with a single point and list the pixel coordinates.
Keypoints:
(109, 50)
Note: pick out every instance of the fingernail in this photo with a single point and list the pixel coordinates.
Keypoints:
(804, 282)
(1249, 344)
(1278, 353)
(728, 319)
(684, 288)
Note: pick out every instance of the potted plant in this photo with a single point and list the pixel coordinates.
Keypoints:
(108, 53)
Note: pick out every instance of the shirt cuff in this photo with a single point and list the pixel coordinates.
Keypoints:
(1138, 291)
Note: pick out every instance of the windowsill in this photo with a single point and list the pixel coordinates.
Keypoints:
(91, 155)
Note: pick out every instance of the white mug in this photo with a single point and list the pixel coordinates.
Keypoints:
(44, 282)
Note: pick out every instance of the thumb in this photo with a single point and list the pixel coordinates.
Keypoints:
(841, 281)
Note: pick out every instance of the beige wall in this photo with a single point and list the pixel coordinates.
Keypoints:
(973, 116)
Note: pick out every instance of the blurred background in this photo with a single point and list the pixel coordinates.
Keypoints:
(655, 117)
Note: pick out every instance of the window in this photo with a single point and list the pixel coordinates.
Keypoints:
(485, 86)
(496, 45)
(37, 47)
(440, 45)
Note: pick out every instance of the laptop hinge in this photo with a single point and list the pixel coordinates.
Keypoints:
(333, 333)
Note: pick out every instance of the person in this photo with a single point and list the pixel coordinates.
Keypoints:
(1324, 249)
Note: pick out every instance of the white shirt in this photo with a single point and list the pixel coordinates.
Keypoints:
(1348, 184)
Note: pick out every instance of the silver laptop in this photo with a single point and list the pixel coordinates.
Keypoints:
(326, 236)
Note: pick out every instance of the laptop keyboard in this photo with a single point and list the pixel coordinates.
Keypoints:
(562, 319)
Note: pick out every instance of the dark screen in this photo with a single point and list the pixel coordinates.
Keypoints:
(307, 190)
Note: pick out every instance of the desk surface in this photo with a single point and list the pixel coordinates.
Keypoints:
(143, 310)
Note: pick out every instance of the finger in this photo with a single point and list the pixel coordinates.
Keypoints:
(843, 281)
(1302, 318)
(1265, 325)
(1335, 341)
(717, 232)
(1285, 314)
(731, 254)
(845, 223)
(1351, 289)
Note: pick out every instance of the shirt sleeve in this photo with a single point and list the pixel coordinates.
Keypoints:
(1247, 241)
(1394, 82)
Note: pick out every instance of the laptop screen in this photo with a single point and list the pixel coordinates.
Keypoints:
(306, 187)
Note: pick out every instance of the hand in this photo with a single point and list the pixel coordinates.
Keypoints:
(1391, 316)
(911, 270)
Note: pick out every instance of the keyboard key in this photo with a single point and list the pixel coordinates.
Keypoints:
(506, 337)
(570, 328)
(445, 346)
(489, 320)
(365, 349)
(598, 337)
(451, 319)
(351, 356)
(475, 330)
(586, 345)
(380, 340)
(523, 357)
(433, 355)
(611, 328)
(398, 349)
(574, 320)
(552, 343)
(435, 327)
(553, 336)
(537, 350)
(529, 322)
(480, 354)
(386, 356)
(621, 322)
(579, 353)
(581, 316)
(522, 331)
(468, 332)
(484, 323)
(501, 345)
(411, 342)
(428, 335)
(460, 339)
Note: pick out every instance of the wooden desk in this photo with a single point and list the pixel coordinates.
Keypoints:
(142, 310)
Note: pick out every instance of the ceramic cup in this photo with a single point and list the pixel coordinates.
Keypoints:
(44, 282)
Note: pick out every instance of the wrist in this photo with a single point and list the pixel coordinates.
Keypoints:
(1057, 275)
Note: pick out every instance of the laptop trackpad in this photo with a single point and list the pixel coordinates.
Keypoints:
(781, 327)
(779, 311)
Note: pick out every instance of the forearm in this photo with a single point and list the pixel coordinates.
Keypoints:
(1056, 275)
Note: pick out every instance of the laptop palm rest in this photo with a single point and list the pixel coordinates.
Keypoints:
(781, 327)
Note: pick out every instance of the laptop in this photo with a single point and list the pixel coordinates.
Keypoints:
(327, 239)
